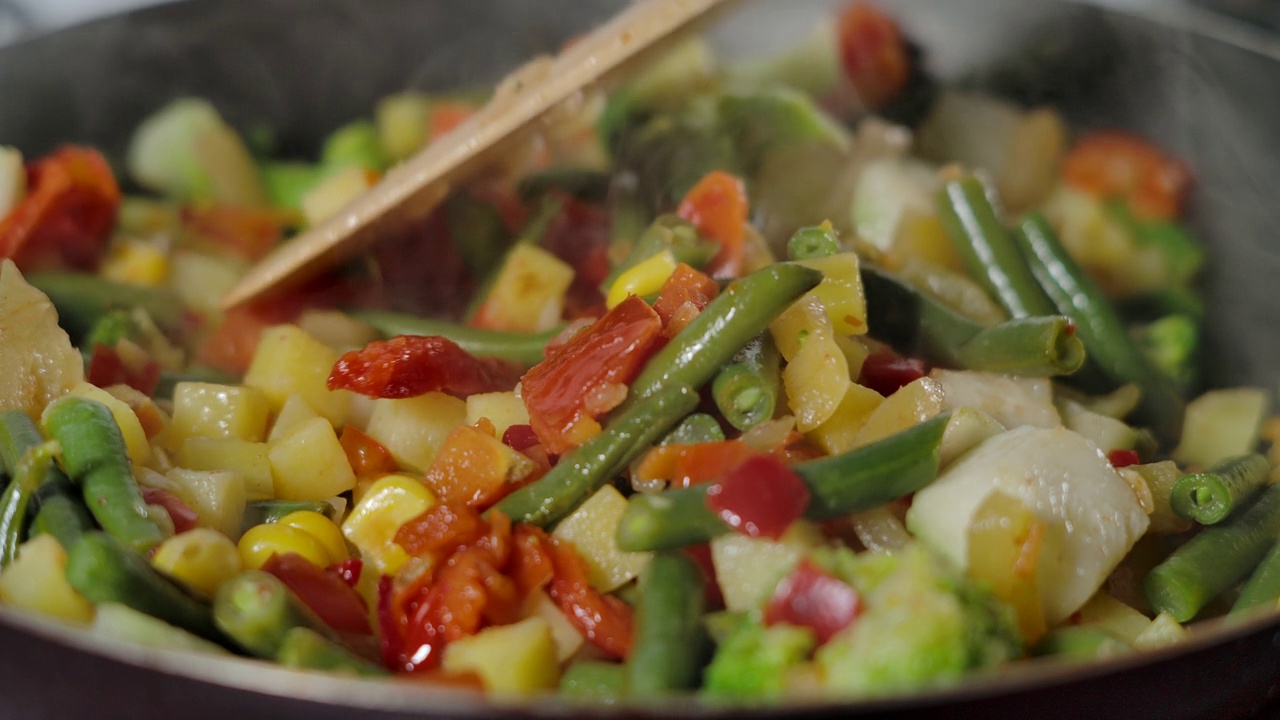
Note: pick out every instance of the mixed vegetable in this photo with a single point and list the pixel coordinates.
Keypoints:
(805, 378)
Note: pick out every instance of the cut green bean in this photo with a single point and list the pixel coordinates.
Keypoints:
(598, 681)
(665, 655)
(1263, 587)
(1041, 346)
(1080, 643)
(697, 428)
(305, 648)
(82, 300)
(746, 390)
(1209, 497)
(987, 249)
(32, 469)
(94, 455)
(257, 611)
(104, 570)
(1216, 559)
(813, 242)
(740, 313)
(1110, 347)
(523, 348)
(860, 479)
(586, 468)
(61, 514)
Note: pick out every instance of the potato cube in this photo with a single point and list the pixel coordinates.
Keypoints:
(841, 292)
(748, 568)
(289, 361)
(413, 429)
(37, 580)
(310, 464)
(568, 637)
(592, 529)
(293, 413)
(516, 658)
(244, 457)
(217, 497)
(503, 409)
(912, 403)
(220, 411)
(528, 293)
(837, 434)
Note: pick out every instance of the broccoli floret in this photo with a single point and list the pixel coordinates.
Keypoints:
(1171, 344)
(752, 663)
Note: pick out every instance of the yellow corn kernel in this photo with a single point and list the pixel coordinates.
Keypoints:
(136, 262)
(201, 558)
(322, 529)
(260, 542)
(645, 278)
(385, 506)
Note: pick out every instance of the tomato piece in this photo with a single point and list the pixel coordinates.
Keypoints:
(684, 295)
(885, 371)
(760, 497)
(1123, 458)
(249, 232)
(690, 464)
(873, 54)
(184, 518)
(717, 206)
(562, 392)
(108, 367)
(390, 632)
(443, 526)
(604, 620)
(366, 455)
(811, 597)
(67, 214)
(1113, 163)
(411, 365)
(349, 570)
(326, 593)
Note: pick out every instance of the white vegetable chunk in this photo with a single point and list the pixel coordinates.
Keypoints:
(1090, 514)
(1013, 401)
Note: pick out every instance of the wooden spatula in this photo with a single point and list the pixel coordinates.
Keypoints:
(410, 190)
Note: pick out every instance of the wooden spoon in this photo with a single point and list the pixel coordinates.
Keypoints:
(410, 190)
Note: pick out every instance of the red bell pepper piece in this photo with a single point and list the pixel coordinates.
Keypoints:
(411, 365)
(811, 597)
(761, 497)
(717, 206)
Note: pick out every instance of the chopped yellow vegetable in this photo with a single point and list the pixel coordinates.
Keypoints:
(528, 293)
(310, 464)
(217, 496)
(295, 411)
(260, 542)
(201, 558)
(913, 403)
(385, 506)
(289, 361)
(135, 438)
(249, 459)
(839, 432)
(137, 262)
(516, 658)
(413, 429)
(322, 529)
(37, 580)
(503, 409)
(644, 278)
(841, 292)
(593, 530)
(217, 411)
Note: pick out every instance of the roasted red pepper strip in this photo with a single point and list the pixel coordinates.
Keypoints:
(444, 526)
(690, 464)
(604, 620)
(873, 54)
(561, 392)
(411, 365)
(1112, 163)
(811, 597)
(761, 497)
(325, 592)
(717, 206)
(67, 214)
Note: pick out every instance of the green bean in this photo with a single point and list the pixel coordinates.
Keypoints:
(741, 312)
(32, 469)
(81, 300)
(818, 241)
(1211, 496)
(987, 250)
(697, 428)
(259, 512)
(18, 434)
(94, 455)
(1214, 560)
(305, 648)
(257, 611)
(61, 514)
(104, 570)
(1263, 587)
(1105, 337)
(586, 468)
(860, 479)
(665, 655)
(596, 680)
(523, 348)
(919, 325)
(746, 390)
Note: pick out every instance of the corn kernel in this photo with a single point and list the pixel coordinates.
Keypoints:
(201, 558)
(260, 542)
(136, 262)
(322, 529)
(645, 278)
(385, 506)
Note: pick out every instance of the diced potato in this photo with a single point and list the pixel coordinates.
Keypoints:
(1115, 617)
(839, 432)
(201, 279)
(911, 404)
(1090, 515)
(1221, 424)
(135, 438)
(37, 580)
(503, 409)
(289, 361)
(516, 658)
(567, 636)
(154, 421)
(38, 360)
(249, 459)
(211, 410)
(293, 413)
(413, 429)
(1162, 631)
(592, 528)
(333, 193)
(841, 292)
(528, 293)
(1012, 401)
(817, 372)
(855, 352)
(337, 329)
(217, 497)
(310, 464)
(748, 568)
(796, 325)
(920, 235)
(389, 503)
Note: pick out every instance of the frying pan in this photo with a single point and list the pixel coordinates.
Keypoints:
(1199, 86)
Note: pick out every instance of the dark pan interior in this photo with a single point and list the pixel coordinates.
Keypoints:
(1204, 89)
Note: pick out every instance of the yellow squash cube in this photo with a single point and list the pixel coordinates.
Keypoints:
(413, 429)
(217, 411)
(517, 658)
(913, 403)
(593, 529)
(839, 432)
(249, 459)
(289, 361)
(310, 464)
